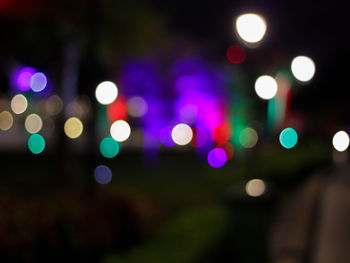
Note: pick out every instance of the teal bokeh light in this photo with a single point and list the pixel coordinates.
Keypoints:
(36, 143)
(288, 138)
(109, 147)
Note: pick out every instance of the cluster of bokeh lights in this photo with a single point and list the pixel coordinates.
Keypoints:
(27, 78)
(200, 118)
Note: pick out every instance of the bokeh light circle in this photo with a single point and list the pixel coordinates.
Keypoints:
(303, 68)
(106, 92)
(248, 138)
(137, 106)
(255, 187)
(19, 104)
(266, 87)
(228, 148)
(251, 27)
(235, 54)
(217, 158)
(73, 127)
(102, 174)
(109, 147)
(38, 82)
(120, 130)
(33, 123)
(340, 141)
(53, 105)
(182, 134)
(288, 138)
(23, 76)
(6, 120)
(36, 143)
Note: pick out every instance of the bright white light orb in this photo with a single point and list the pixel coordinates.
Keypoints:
(303, 68)
(33, 123)
(182, 134)
(341, 141)
(255, 187)
(19, 104)
(266, 87)
(120, 131)
(251, 27)
(106, 92)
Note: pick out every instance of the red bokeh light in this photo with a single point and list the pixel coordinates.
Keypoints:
(228, 148)
(222, 133)
(235, 54)
(117, 110)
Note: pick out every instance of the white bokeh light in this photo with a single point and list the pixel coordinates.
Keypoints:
(19, 104)
(251, 27)
(120, 130)
(33, 123)
(255, 187)
(182, 134)
(266, 87)
(341, 141)
(106, 92)
(303, 68)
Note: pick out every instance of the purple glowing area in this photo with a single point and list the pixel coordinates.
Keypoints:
(201, 108)
(21, 78)
(165, 136)
(38, 82)
(187, 83)
(217, 158)
(102, 174)
(200, 137)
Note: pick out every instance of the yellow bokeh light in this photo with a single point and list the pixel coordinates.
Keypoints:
(248, 138)
(33, 123)
(73, 128)
(6, 120)
(19, 104)
(255, 187)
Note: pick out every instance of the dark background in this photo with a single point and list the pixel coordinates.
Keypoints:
(177, 209)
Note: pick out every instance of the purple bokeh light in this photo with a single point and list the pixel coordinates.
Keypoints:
(38, 82)
(165, 136)
(102, 174)
(21, 78)
(200, 137)
(217, 158)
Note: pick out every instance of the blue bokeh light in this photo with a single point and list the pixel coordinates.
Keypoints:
(102, 174)
(38, 82)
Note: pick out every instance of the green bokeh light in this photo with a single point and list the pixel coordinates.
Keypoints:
(109, 147)
(288, 138)
(36, 143)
